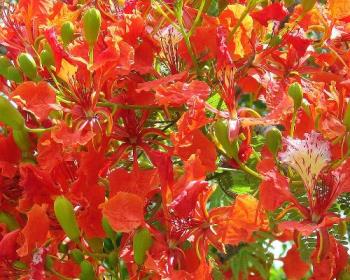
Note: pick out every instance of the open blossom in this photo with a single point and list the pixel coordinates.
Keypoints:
(308, 157)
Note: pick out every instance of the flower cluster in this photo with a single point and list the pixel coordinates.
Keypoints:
(171, 139)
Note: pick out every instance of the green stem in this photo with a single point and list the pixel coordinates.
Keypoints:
(54, 79)
(91, 62)
(37, 130)
(197, 19)
(239, 22)
(244, 168)
(185, 35)
(160, 10)
(292, 127)
(189, 48)
(141, 107)
(91, 55)
(248, 170)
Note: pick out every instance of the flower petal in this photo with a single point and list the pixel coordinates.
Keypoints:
(124, 211)
(307, 157)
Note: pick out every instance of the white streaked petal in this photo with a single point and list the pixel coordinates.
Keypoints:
(307, 157)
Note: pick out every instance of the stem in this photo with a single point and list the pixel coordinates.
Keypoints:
(91, 55)
(189, 48)
(240, 20)
(251, 111)
(292, 127)
(248, 170)
(244, 168)
(91, 62)
(37, 130)
(160, 10)
(54, 79)
(228, 193)
(198, 17)
(141, 107)
(186, 36)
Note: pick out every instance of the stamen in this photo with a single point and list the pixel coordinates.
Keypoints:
(169, 39)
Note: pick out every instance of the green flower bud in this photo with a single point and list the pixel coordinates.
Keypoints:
(108, 245)
(95, 244)
(91, 25)
(345, 273)
(3, 49)
(275, 40)
(222, 137)
(10, 222)
(13, 74)
(86, 271)
(273, 140)
(308, 4)
(21, 138)
(113, 258)
(67, 32)
(10, 115)
(342, 228)
(108, 229)
(19, 265)
(47, 59)
(296, 92)
(49, 262)
(63, 248)
(346, 119)
(77, 256)
(65, 215)
(142, 241)
(4, 64)
(27, 64)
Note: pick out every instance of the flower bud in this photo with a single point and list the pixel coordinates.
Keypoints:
(10, 222)
(27, 64)
(21, 138)
(49, 262)
(108, 245)
(4, 64)
(296, 92)
(77, 256)
(342, 228)
(142, 241)
(65, 215)
(308, 4)
(222, 136)
(344, 274)
(13, 74)
(63, 248)
(273, 140)
(113, 258)
(86, 271)
(67, 32)
(19, 265)
(91, 25)
(346, 119)
(10, 115)
(234, 126)
(107, 228)
(47, 58)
